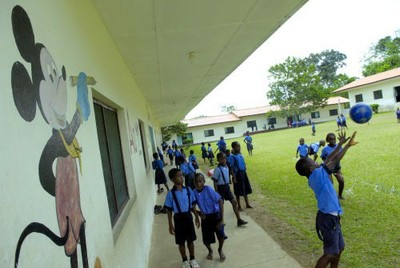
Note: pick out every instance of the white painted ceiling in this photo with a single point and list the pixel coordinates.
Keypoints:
(180, 50)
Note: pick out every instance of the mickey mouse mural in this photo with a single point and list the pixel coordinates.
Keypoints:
(45, 87)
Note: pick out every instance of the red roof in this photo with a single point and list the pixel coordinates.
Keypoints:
(209, 120)
(370, 80)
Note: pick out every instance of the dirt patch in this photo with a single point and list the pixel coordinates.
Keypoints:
(287, 236)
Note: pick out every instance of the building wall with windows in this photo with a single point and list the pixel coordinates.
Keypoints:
(260, 122)
(74, 154)
(385, 93)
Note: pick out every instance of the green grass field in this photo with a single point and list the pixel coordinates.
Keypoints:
(372, 191)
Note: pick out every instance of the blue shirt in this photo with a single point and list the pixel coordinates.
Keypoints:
(248, 139)
(221, 175)
(170, 152)
(158, 164)
(192, 158)
(238, 163)
(203, 148)
(177, 153)
(187, 168)
(315, 147)
(182, 198)
(207, 200)
(302, 149)
(221, 145)
(327, 151)
(324, 191)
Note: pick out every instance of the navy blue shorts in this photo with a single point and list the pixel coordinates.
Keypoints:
(225, 192)
(184, 228)
(209, 228)
(328, 226)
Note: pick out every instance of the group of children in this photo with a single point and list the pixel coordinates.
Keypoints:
(321, 182)
(341, 122)
(304, 151)
(329, 209)
(190, 195)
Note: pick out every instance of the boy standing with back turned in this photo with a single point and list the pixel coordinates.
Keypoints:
(181, 200)
(329, 209)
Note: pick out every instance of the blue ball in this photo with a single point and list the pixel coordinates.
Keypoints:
(360, 113)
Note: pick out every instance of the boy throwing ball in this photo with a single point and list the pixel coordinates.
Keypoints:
(329, 209)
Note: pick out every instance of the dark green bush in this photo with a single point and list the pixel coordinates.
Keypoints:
(375, 108)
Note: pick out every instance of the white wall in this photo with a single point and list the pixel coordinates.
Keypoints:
(240, 126)
(76, 38)
(388, 101)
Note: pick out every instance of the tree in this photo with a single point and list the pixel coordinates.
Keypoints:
(303, 85)
(327, 63)
(228, 109)
(382, 56)
(178, 129)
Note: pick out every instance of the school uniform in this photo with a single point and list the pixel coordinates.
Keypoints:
(242, 186)
(249, 142)
(160, 177)
(204, 154)
(188, 172)
(329, 211)
(181, 202)
(302, 150)
(326, 152)
(221, 146)
(210, 153)
(314, 148)
(177, 154)
(208, 201)
(170, 153)
(221, 177)
(192, 159)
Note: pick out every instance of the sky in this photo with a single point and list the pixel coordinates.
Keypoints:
(348, 26)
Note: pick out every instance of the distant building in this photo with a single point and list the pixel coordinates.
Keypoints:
(236, 123)
(382, 89)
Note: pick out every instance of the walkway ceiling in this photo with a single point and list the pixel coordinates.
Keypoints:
(178, 51)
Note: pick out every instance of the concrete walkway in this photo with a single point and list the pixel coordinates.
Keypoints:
(246, 246)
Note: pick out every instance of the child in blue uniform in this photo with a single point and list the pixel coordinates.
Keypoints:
(221, 144)
(313, 128)
(210, 154)
(221, 185)
(170, 153)
(180, 201)
(249, 143)
(329, 209)
(193, 160)
(331, 140)
(212, 216)
(204, 153)
(302, 149)
(188, 172)
(229, 159)
(343, 120)
(241, 183)
(314, 148)
(177, 155)
(160, 177)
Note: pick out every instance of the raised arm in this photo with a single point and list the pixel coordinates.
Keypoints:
(338, 154)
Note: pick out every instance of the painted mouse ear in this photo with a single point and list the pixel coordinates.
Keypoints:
(24, 95)
(23, 33)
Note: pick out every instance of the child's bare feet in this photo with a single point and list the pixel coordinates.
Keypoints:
(210, 255)
(248, 206)
(222, 256)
